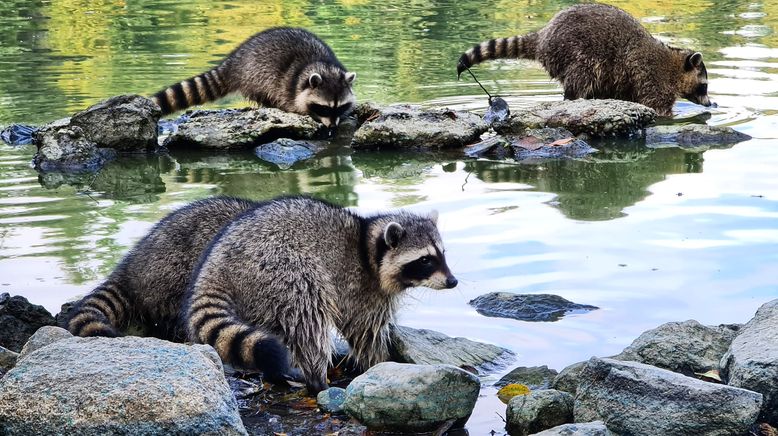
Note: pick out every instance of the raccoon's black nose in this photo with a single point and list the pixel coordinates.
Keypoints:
(451, 282)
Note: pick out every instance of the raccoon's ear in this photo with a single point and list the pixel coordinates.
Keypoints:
(350, 77)
(315, 80)
(693, 61)
(393, 232)
(434, 216)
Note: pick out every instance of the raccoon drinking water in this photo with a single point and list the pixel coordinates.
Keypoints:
(600, 51)
(285, 68)
(272, 280)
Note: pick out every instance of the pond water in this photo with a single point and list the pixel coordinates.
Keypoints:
(649, 236)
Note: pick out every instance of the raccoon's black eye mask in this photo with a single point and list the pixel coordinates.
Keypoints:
(329, 112)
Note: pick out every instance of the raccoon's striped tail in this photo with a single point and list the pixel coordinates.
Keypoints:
(500, 48)
(206, 87)
(100, 313)
(211, 319)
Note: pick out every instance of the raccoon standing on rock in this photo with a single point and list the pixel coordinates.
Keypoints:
(262, 280)
(600, 51)
(286, 68)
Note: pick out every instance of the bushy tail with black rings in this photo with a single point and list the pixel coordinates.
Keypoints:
(101, 313)
(203, 88)
(211, 319)
(501, 48)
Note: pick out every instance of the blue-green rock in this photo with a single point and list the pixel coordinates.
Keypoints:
(331, 400)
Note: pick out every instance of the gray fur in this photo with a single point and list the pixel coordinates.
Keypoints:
(297, 268)
(600, 51)
(286, 68)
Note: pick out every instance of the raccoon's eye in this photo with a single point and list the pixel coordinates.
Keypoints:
(425, 260)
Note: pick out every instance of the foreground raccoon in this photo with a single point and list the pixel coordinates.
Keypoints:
(279, 274)
(600, 51)
(286, 68)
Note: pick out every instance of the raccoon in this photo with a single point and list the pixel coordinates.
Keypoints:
(285, 68)
(295, 268)
(600, 51)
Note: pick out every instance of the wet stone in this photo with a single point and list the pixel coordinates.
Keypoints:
(537, 411)
(19, 319)
(331, 400)
(548, 143)
(285, 152)
(534, 377)
(125, 123)
(64, 148)
(693, 136)
(527, 307)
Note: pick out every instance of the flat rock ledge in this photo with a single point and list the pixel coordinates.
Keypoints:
(693, 136)
(410, 127)
(596, 118)
(238, 128)
(128, 385)
(527, 307)
(634, 398)
(406, 398)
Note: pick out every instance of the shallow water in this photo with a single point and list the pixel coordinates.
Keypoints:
(649, 236)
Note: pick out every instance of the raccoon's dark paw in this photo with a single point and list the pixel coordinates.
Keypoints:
(273, 359)
(315, 386)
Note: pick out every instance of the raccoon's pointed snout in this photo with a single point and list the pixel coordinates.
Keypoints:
(451, 282)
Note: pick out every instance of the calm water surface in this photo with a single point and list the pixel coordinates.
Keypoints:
(650, 236)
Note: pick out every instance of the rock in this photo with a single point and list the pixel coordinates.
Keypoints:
(693, 135)
(635, 398)
(538, 411)
(408, 398)
(548, 143)
(429, 347)
(595, 428)
(126, 123)
(495, 146)
(128, 385)
(17, 134)
(534, 377)
(19, 319)
(239, 128)
(597, 118)
(65, 148)
(686, 347)
(527, 307)
(8, 359)
(409, 127)
(331, 400)
(44, 336)
(567, 380)
(752, 359)
(285, 152)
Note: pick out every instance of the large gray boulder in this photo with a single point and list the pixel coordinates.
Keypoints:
(693, 136)
(126, 123)
(534, 377)
(19, 319)
(538, 411)
(597, 118)
(406, 398)
(410, 127)
(128, 385)
(527, 307)
(595, 428)
(429, 347)
(639, 399)
(752, 359)
(239, 128)
(65, 148)
(687, 347)
(568, 378)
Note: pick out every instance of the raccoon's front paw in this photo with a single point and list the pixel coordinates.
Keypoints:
(316, 386)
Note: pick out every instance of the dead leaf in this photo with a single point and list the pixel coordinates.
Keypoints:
(562, 141)
(530, 143)
(712, 375)
(373, 116)
(509, 391)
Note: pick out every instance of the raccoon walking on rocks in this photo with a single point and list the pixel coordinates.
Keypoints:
(285, 68)
(600, 51)
(262, 280)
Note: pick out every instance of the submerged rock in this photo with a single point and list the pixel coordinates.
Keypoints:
(595, 428)
(404, 126)
(331, 400)
(527, 307)
(538, 411)
(693, 135)
(495, 146)
(128, 385)
(534, 377)
(752, 359)
(401, 397)
(19, 319)
(548, 143)
(430, 347)
(685, 347)
(63, 148)
(239, 128)
(597, 118)
(634, 398)
(285, 152)
(126, 123)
